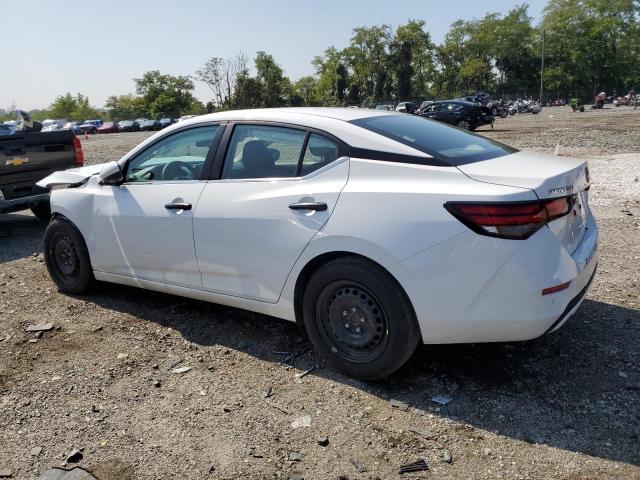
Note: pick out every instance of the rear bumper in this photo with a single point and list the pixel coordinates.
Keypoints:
(473, 288)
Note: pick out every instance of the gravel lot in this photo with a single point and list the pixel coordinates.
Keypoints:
(565, 406)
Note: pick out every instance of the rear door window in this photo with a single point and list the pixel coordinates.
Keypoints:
(263, 151)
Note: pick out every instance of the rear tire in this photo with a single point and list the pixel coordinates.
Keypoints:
(67, 257)
(359, 319)
(42, 211)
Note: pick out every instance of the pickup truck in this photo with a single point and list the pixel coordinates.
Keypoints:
(26, 158)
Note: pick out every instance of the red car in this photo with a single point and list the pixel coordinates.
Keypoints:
(108, 127)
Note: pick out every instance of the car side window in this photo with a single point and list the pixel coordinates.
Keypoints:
(179, 156)
(263, 151)
(320, 151)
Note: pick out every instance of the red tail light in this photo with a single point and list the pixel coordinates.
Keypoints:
(514, 220)
(77, 149)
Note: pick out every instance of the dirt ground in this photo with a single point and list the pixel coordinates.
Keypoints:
(564, 406)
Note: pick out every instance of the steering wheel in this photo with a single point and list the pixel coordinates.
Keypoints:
(178, 170)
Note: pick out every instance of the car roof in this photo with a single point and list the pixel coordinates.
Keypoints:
(462, 102)
(279, 114)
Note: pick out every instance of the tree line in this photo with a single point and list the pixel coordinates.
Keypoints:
(588, 46)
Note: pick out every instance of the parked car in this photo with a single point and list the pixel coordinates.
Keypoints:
(128, 126)
(26, 158)
(73, 126)
(51, 121)
(428, 233)
(52, 127)
(406, 107)
(150, 125)
(97, 122)
(108, 127)
(88, 128)
(460, 113)
(165, 122)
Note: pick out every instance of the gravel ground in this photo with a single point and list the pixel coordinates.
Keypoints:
(565, 406)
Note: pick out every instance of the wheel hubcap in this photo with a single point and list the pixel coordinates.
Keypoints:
(353, 322)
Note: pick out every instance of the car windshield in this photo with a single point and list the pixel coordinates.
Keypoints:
(448, 144)
(126, 123)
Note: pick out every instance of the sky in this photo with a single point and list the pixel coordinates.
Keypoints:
(97, 48)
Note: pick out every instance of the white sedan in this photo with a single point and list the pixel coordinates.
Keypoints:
(375, 230)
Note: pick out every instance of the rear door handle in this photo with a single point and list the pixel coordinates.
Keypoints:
(178, 206)
(317, 206)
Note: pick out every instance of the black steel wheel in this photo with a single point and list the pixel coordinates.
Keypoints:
(67, 258)
(352, 321)
(358, 318)
(464, 124)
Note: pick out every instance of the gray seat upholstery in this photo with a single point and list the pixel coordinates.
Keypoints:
(257, 160)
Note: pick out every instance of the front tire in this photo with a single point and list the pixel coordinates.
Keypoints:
(67, 258)
(359, 319)
(464, 124)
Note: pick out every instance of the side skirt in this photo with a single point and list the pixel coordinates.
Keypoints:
(278, 310)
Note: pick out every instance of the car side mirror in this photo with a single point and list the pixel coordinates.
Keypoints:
(111, 174)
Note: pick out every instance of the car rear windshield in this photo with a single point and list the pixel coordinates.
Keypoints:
(445, 143)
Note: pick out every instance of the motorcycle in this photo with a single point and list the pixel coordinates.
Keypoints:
(598, 101)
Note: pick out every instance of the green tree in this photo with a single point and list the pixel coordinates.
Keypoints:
(63, 106)
(271, 79)
(413, 57)
(123, 107)
(166, 95)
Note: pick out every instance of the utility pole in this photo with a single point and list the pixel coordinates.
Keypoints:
(542, 68)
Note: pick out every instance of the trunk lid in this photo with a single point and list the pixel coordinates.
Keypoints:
(549, 176)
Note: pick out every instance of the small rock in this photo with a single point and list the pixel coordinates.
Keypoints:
(75, 456)
(267, 393)
(296, 476)
(400, 405)
(486, 452)
(122, 356)
(540, 439)
(446, 456)
(441, 399)
(323, 441)
(181, 370)
(156, 383)
(40, 327)
(75, 473)
(622, 375)
(95, 408)
(301, 422)
(35, 451)
(295, 456)
(5, 473)
(33, 340)
(359, 465)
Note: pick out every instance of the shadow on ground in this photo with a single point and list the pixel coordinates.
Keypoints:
(20, 236)
(564, 389)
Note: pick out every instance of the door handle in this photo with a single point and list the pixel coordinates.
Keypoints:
(178, 206)
(317, 206)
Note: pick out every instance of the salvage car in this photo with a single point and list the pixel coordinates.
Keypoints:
(375, 230)
(462, 114)
(108, 127)
(128, 126)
